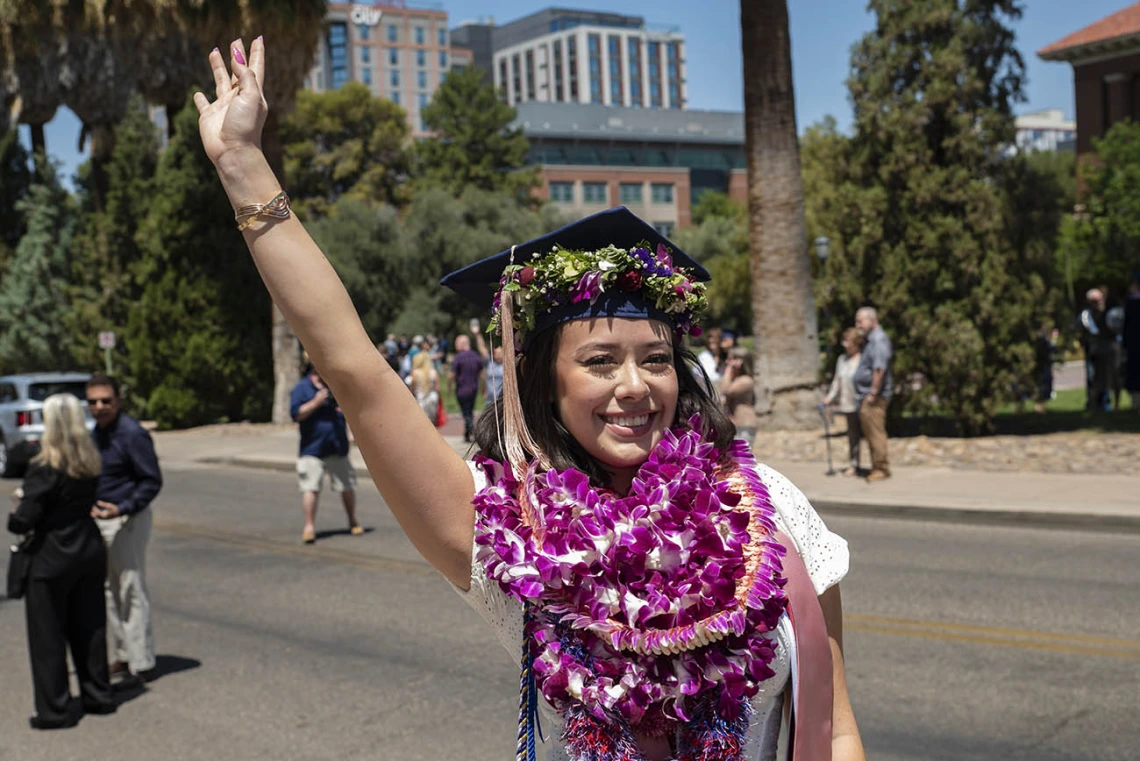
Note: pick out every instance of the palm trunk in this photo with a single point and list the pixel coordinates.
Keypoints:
(783, 308)
(286, 369)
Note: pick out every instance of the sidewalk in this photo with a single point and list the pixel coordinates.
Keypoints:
(1103, 502)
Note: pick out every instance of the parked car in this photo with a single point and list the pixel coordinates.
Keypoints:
(21, 413)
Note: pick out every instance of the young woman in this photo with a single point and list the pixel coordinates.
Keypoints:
(658, 583)
(841, 396)
(64, 598)
(424, 383)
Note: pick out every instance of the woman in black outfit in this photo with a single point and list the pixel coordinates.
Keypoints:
(64, 599)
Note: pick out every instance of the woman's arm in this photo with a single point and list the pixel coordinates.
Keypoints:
(833, 390)
(425, 483)
(846, 745)
(37, 487)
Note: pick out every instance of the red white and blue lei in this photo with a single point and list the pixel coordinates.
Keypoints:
(650, 613)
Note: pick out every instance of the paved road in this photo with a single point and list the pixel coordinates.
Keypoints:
(963, 643)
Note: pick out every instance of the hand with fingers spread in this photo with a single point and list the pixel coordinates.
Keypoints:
(233, 122)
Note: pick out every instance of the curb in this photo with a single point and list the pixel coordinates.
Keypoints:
(1101, 522)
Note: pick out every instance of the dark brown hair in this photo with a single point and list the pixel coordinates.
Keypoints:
(537, 395)
(99, 379)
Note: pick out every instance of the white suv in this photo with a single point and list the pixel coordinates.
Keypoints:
(21, 413)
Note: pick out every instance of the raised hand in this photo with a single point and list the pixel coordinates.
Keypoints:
(234, 120)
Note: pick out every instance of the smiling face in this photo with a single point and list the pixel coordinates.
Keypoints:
(616, 389)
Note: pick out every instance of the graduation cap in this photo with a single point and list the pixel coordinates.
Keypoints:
(479, 282)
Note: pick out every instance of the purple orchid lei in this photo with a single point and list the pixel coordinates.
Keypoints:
(648, 606)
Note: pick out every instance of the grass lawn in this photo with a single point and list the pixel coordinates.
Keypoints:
(1066, 412)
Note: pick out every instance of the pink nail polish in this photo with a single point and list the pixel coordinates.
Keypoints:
(239, 57)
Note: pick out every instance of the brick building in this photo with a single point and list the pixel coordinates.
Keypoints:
(1105, 57)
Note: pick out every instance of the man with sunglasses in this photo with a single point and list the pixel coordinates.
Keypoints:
(129, 482)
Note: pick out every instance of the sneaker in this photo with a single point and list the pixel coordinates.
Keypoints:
(877, 475)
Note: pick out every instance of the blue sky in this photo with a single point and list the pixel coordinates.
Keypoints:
(822, 34)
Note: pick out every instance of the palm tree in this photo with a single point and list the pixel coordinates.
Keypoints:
(783, 308)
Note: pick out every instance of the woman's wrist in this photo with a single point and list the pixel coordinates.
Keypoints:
(247, 177)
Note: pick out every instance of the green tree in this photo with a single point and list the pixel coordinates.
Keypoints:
(363, 243)
(473, 144)
(198, 339)
(926, 238)
(15, 180)
(345, 143)
(719, 241)
(106, 253)
(1101, 244)
(713, 203)
(33, 295)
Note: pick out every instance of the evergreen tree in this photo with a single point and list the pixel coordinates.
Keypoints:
(719, 241)
(473, 143)
(1101, 245)
(932, 88)
(106, 252)
(33, 295)
(345, 142)
(15, 179)
(198, 339)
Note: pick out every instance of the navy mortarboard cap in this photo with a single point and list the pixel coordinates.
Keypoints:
(619, 227)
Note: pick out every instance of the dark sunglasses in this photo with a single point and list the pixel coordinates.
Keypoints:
(106, 401)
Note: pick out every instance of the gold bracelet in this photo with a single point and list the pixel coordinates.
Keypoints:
(278, 208)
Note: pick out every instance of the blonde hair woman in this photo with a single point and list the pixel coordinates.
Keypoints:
(424, 382)
(841, 395)
(64, 595)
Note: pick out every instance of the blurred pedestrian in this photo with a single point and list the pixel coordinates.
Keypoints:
(712, 356)
(128, 483)
(841, 395)
(466, 368)
(424, 383)
(873, 390)
(738, 392)
(1097, 343)
(64, 599)
(324, 449)
(492, 367)
(1044, 357)
(1131, 342)
(388, 351)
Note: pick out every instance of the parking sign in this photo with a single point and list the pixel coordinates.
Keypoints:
(106, 339)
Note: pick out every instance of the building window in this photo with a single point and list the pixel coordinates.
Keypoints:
(442, 59)
(365, 54)
(394, 78)
(421, 58)
(631, 192)
(665, 228)
(662, 192)
(504, 80)
(393, 33)
(594, 192)
(338, 54)
(559, 92)
(530, 75)
(443, 38)
(674, 95)
(616, 94)
(572, 66)
(562, 192)
(421, 80)
(393, 57)
(673, 54)
(395, 97)
(419, 35)
(655, 74)
(362, 31)
(635, 72)
(422, 99)
(367, 75)
(516, 77)
(594, 48)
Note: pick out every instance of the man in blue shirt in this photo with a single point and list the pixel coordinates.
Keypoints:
(130, 480)
(324, 449)
(873, 390)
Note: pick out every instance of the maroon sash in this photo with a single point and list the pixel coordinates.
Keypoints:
(810, 726)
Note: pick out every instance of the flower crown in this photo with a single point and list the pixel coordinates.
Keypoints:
(566, 277)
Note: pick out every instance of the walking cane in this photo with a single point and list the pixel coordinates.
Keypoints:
(827, 438)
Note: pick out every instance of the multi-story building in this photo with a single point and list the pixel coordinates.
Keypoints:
(567, 56)
(400, 50)
(657, 163)
(1046, 130)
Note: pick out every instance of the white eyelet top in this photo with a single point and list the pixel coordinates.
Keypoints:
(824, 554)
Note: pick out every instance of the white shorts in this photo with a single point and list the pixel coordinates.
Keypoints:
(311, 471)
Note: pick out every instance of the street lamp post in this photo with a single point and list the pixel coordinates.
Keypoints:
(822, 250)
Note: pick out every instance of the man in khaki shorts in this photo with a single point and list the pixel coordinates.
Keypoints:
(324, 449)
